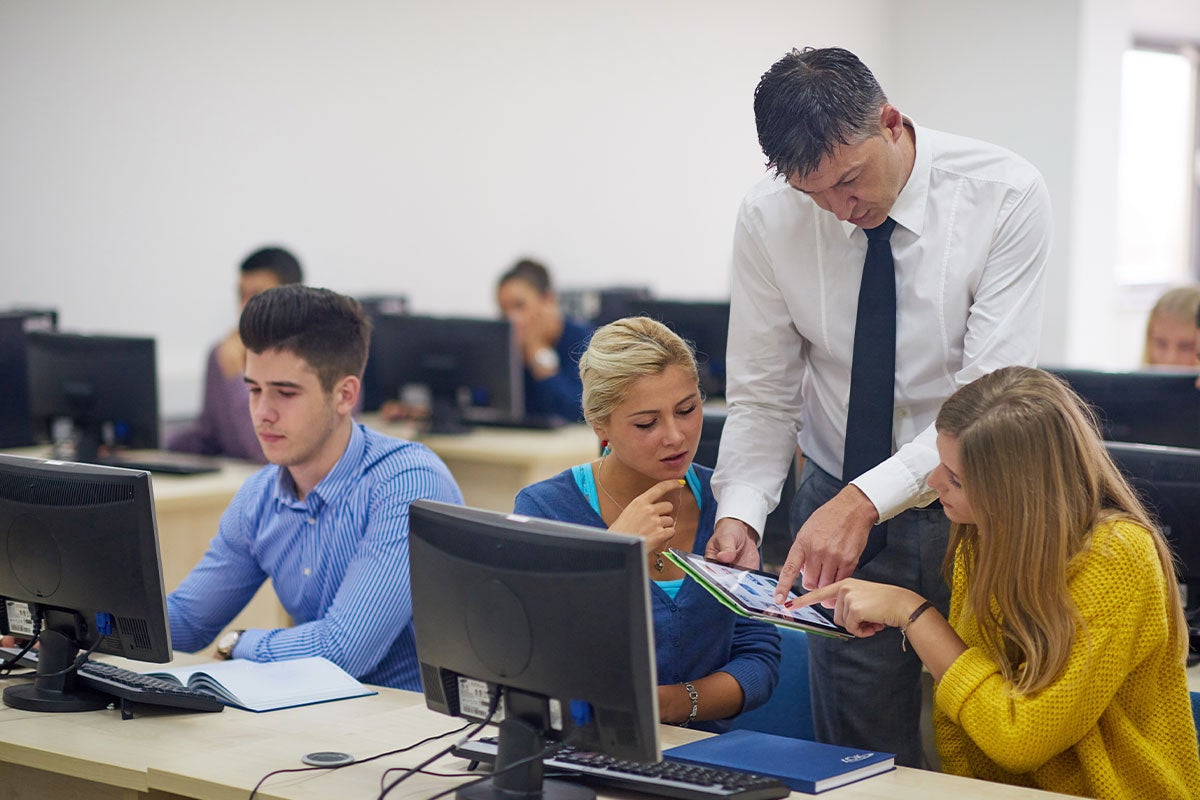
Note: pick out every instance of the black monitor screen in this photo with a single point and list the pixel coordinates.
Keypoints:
(81, 563)
(15, 430)
(465, 366)
(705, 325)
(104, 387)
(1168, 479)
(1149, 407)
(554, 616)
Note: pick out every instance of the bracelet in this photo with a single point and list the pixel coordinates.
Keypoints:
(921, 609)
(694, 696)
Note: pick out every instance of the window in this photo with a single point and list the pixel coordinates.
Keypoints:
(1158, 200)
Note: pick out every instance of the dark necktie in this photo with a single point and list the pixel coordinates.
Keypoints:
(873, 371)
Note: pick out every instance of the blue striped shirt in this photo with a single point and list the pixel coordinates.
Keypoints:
(338, 560)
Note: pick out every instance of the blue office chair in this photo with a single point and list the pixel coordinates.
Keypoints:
(789, 711)
(1196, 714)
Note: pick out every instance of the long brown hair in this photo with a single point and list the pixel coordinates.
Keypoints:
(1038, 480)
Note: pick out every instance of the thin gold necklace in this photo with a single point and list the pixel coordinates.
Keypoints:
(659, 564)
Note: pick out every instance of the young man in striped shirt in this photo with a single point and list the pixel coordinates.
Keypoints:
(327, 519)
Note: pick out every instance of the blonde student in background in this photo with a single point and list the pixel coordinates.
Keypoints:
(1061, 665)
(1173, 329)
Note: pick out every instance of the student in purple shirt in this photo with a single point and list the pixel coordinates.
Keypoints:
(224, 427)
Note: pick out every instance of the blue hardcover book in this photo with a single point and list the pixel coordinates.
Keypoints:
(805, 766)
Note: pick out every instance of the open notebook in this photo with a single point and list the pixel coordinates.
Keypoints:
(268, 685)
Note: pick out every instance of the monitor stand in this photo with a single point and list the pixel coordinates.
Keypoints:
(521, 740)
(445, 417)
(54, 692)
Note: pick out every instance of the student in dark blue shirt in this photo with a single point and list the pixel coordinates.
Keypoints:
(550, 342)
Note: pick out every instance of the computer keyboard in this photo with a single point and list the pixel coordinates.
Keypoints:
(134, 687)
(665, 778)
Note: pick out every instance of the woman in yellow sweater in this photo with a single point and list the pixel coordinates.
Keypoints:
(1061, 665)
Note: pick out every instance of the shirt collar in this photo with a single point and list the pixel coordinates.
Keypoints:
(909, 208)
(335, 484)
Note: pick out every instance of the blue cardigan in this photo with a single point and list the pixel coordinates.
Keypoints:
(560, 394)
(694, 635)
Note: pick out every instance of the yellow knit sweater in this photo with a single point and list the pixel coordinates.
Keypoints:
(1117, 721)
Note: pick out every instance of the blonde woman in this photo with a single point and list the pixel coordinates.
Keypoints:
(1173, 329)
(641, 395)
(1061, 665)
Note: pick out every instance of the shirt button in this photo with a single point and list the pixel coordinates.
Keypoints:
(307, 571)
(312, 520)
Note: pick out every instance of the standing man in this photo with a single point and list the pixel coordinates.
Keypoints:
(327, 519)
(849, 349)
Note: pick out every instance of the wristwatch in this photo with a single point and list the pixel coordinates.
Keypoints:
(226, 644)
(546, 359)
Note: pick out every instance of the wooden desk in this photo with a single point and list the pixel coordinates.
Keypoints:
(492, 464)
(222, 756)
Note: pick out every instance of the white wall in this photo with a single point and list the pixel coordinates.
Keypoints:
(989, 71)
(421, 147)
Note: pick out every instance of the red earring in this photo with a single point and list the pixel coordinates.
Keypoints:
(603, 443)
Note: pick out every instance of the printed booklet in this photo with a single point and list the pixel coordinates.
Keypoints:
(751, 593)
(268, 685)
(804, 766)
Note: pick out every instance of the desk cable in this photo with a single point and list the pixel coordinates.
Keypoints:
(493, 704)
(426, 740)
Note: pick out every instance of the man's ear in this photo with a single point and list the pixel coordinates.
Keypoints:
(891, 122)
(345, 394)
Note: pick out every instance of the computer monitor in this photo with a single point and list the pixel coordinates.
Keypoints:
(1146, 407)
(703, 323)
(600, 306)
(36, 319)
(81, 562)
(554, 616)
(376, 304)
(1168, 479)
(466, 368)
(15, 430)
(94, 390)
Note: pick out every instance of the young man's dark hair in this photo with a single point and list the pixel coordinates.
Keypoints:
(533, 273)
(283, 264)
(809, 102)
(328, 330)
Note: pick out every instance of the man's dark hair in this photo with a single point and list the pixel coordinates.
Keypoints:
(810, 102)
(276, 260)
(532, 272)
(328, 330)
